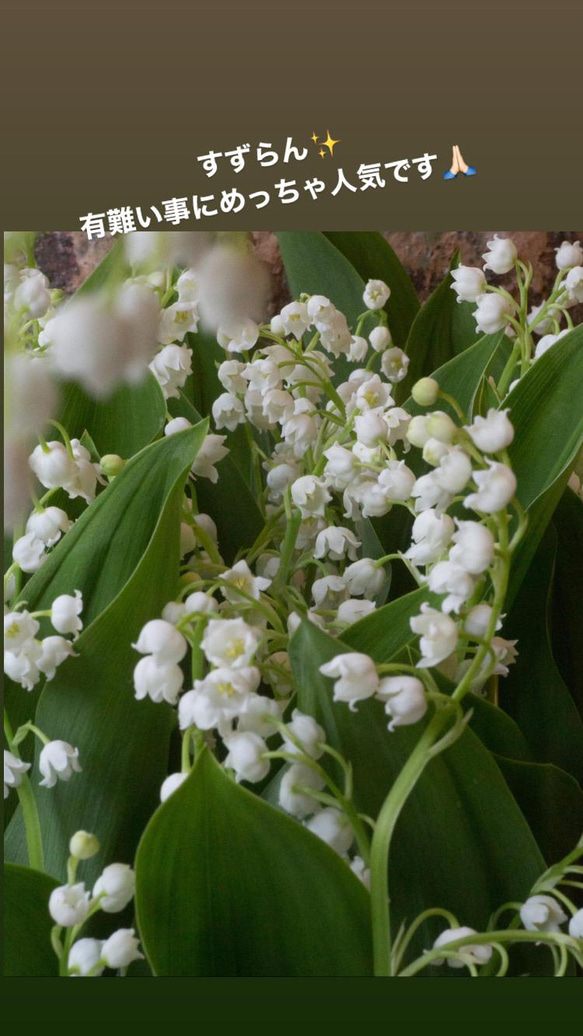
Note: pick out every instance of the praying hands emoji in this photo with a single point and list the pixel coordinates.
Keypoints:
(458, 165)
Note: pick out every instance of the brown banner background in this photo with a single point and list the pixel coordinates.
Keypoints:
(110, 106)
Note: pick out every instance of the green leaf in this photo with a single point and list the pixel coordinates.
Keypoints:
(27, 924)
(567, 602)
(111, 270)
(552, 802)
(372, 257)
(550, 799)
(545, 408)
(443, 328)
(107, 542)
(496, 730)
(387, 631)
(123, 744)
(460, 820)
(313, 265)
(534, 693)
(539, 516)
(463, 375)
(228, 886)
(124, 423)
(134, 414)
(229, 501)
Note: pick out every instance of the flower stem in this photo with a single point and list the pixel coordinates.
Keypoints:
(387, 819)
(34, 841)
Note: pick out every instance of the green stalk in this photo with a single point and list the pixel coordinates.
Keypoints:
(551, 939)
(387, 819)
(34, 841)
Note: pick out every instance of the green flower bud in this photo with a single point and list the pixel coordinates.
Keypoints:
(425, 391)
(441, 427)
(112, 464)
(83, 845)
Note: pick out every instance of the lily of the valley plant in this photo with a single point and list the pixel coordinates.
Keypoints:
(291, 612)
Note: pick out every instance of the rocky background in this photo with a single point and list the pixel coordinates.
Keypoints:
(68, 258)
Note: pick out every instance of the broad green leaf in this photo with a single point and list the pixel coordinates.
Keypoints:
(228, 886)
(539, 516)
(567, 603)
(534, 693)
(133, 415)
(229, 501)
(463, 375)
(460, 820)
(372, 257)
(109, 271)
(27, 924)
(551, 801)
(106, 544)
(545, 408)
(443, 328)
(386, 632)
(124, 423)
(314, 265)
(496, 730)
(123, 743)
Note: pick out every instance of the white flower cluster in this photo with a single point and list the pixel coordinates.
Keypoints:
(540, 913)
(26, 293)
(72, 904)
(334, 464)
(26, 658)
(496, 309)
(44, 529)
(58, 761)
(68, 467)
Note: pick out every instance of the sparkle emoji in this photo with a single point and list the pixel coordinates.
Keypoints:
(329, 143)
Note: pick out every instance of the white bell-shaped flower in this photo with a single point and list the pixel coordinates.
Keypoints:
(355, 676)
(438, 635)
(230, 643)
(115, 887)
(501, 255)
(65, 612)
(246, 756)
(161, 639)
(292, 797)
(58, 761)
(469, 283)
(496, 487)
(121, 949)
(160, 681)
(333, 827)
(14, 768)
(473, 547)
(478, 954)
(69, 905)
(542, 914)
(404, 699)
(491, 433)
(376, 294)
(84, 958)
